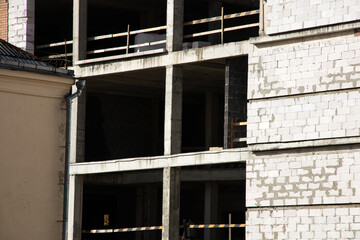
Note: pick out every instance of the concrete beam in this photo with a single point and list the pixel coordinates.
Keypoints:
(174, 25)
(171, 203)
(97, 67)
(155, 176)
(159, 162)
(79, 30)
(173, 110)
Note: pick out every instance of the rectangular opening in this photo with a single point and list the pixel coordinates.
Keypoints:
(125, 115)
(210, 22)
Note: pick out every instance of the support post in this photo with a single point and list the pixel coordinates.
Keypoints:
(261, 18)
(128, 39)
(222, 25)
(171, 203)
(75, 207)
(174, 25)
(79, 30)
(173, 110)
(210, 208)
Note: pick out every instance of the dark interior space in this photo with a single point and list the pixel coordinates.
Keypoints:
(203, 106)
(125, 116)
(199, 9)
(122, 200)
(208, 195)
(236, 82)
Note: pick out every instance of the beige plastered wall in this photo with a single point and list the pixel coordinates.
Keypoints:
(32, 154)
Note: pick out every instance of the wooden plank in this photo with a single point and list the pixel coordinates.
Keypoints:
(240, 124)
(241, 27)
(240, 139)
(54, 44)
(202, 33)
(218, 18)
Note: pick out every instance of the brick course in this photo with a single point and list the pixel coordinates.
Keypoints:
(318, 222)
(4, 19)
(312, 66)
(290, 15)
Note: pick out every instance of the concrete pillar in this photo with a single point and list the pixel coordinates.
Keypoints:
(173, 110)
(21, 24)
(81, 116)
(235, 95)
(79, 30)
(214, 11)
(210, 208)
(75, 182)
(75, 208)
(171, 203)
(174, 24)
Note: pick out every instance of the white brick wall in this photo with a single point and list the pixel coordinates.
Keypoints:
(307, 117)
(303, 68)
(322, 177)
(336, 222)
(22, 24)
(290, 15)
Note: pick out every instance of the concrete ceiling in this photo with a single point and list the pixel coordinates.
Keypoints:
(201, 77)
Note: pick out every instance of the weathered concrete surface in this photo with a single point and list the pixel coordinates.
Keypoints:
(172, 58)
(171, 203)
(158, 162)
(174, 25)
(173, 110)
(79, 29)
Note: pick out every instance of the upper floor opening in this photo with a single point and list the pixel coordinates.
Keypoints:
(137, 28)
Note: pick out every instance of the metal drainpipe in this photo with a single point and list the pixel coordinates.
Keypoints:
(80, 86)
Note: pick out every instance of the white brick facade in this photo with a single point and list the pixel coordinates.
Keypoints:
(321, 177)
(22, 24)
(303, 68)
(335, 222)
(290, 15)
(306, 117)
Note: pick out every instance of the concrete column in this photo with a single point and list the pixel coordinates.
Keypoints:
(80, 129)
(174, 24)
(173, 110)
(21, 20)
(75, 208)
(210, 208)
(171, 203)
(79, 30)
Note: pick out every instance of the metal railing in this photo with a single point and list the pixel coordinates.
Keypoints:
(65, 54)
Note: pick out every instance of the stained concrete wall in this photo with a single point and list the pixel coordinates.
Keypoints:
(32, 151)
(290, 15)
(21, 28)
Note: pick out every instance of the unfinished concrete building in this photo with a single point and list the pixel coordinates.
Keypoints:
(207, 112)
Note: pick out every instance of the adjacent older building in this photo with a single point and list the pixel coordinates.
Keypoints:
(32, 145)
(207, 112)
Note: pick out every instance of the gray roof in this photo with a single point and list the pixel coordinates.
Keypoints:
(14, 57)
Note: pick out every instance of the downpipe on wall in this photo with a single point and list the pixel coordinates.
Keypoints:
(69, 98)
